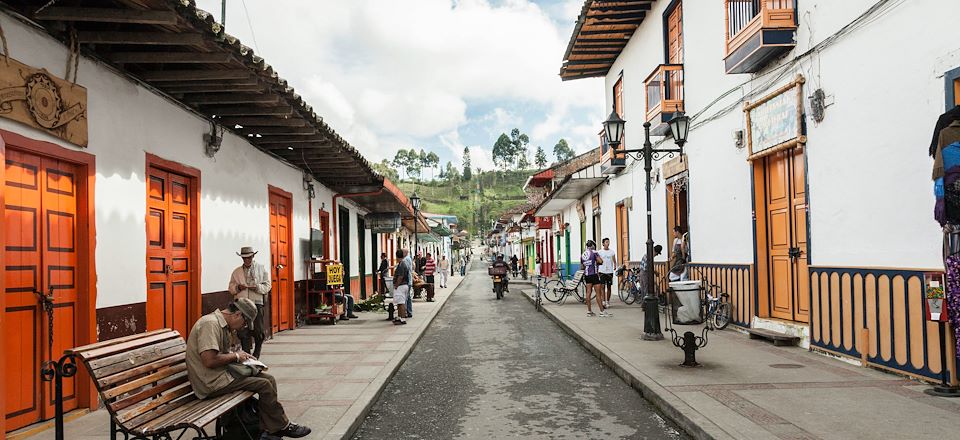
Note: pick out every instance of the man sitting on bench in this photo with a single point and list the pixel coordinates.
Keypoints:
(208, 356)
(419, 285)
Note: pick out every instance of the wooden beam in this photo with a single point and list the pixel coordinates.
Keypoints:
(280, 131)
(598, 61)
(269, 141)
(169, 57)
(194, 75)
(211, 88)
(106, 15)
(232, 98)
(265, 120)
(248, 110)
(146, 38)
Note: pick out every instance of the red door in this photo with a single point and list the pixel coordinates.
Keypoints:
(281, 293)
(41, 256)
(169, 280)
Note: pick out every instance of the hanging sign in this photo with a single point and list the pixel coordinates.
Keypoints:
(36, 98)
(580, 211)
(774, 122)
(334, 275)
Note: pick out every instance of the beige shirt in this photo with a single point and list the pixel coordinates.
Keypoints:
(209, 333)
(444, 265)
(255, 276)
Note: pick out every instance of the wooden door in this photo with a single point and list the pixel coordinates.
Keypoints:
(281, 292)
(623, 235)
(41, 256)
(170, 197)
(786, 235)
(675, 35)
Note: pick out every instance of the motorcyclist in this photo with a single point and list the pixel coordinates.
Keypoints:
(500, 263)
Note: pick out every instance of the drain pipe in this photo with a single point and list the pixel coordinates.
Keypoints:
(336, 212)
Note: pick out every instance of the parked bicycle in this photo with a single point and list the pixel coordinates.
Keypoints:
(540, 286)
(629, 284)
(717, 310)
(556, 291)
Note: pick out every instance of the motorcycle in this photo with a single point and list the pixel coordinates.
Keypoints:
(499, 276)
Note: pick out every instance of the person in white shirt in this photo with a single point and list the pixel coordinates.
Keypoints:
(444, 271)
(252, 281)
(606, 270)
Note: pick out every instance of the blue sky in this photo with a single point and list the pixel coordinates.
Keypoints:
(431, 74)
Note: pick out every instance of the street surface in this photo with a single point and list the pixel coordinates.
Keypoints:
(496, 369)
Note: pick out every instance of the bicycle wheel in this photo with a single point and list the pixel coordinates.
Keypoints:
(628, 292)
(551, 291)
(580, 291)
(721, 316)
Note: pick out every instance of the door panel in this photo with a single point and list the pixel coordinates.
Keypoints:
(169, 222)
(778, 236)
(801, 277)
(281, 293)
(675, 36)
(41, 256)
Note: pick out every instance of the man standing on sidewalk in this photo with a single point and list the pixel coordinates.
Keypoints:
(252, 281)
(444, 271)
(384, 272)
(606, 270)
(430, 268)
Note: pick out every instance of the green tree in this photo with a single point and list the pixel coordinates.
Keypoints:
(401, 161)
(433, 161)
(541, 158)
(385, 170)
(518, 150)
(563, 152)
(467, 171)
(503, 152)
(451, 173)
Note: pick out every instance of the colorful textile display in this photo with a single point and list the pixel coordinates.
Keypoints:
(952, 263)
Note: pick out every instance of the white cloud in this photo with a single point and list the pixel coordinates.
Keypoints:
(381, 71)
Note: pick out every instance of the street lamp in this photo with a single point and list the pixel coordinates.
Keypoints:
(613, 131)
(415, 202)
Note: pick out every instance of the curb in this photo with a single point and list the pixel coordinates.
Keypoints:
(692, 422)
(350, 421)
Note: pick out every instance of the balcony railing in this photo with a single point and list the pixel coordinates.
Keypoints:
(664, 91)
(745, 17)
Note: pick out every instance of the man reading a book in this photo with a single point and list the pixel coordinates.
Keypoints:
(216, 367)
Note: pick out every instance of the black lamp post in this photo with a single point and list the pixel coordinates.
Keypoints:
(415, 202)
(613, 131)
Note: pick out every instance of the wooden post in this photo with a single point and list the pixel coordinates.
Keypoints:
(864, 346)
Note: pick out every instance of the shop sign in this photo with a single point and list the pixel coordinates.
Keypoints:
(36, 98)
(674, 166)
(334, 275)
(382, 222)
(544, 222)
(774, 122)
(595, 201)
(580, 211)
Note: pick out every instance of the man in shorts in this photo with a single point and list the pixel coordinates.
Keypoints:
(402, 276)
(606, 271)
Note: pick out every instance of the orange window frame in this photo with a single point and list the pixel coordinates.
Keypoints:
(956, 91)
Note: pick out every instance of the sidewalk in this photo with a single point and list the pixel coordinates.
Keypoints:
(328, 376)
(749, 389)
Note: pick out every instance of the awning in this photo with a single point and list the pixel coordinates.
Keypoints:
(428, 238)
(567, 194)
(441, 231)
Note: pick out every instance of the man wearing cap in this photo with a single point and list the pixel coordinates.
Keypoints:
(208, 355)
(252, 281)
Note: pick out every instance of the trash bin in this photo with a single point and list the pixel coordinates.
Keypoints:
(688, 295)
(388, 283)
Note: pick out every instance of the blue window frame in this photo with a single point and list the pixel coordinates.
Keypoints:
(951, 79)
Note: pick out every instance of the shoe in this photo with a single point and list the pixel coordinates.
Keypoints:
(352, 316)
(591, 314)
(606, 314)
(267, 436)
(396, 322)
(294, 430)
(344, 318)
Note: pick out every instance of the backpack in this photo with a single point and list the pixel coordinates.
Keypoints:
(243, 423)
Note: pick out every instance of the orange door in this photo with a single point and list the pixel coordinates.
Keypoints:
(787, 235)
(623, 235)
(281, 293)
(675, 36)
(41, 256)
(169, 280)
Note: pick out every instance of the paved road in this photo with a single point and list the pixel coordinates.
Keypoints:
(496, 369)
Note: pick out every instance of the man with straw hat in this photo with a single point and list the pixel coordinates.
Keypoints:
(252, 281)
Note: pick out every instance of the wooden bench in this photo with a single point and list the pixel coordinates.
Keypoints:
(571, 285)
(142, 380)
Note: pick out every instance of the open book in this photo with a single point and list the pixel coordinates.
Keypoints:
(255, 363)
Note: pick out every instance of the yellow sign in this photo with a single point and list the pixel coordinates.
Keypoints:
(334, 274)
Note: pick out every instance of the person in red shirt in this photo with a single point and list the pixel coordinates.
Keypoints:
(430, 268)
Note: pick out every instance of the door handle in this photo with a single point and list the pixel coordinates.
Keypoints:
(795, 253)
(167, 269)
(279, 267)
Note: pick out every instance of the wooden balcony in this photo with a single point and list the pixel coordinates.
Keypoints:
(757, 32)
(664, 96)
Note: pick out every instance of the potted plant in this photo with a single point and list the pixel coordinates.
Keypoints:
(936, 307)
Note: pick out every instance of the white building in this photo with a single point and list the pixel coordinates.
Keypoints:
(132, 180)
(805, 189)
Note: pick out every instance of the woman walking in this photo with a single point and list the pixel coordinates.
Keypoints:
(590, 261)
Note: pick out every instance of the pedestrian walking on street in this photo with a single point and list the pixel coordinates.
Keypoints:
(444, 271)
(384, 271)
(252, 281)
(590, 262)
(410, 267)
(606, 270)
(402, 280)
(215, 369)
(463, 265)
(678, 261)
(430, 269)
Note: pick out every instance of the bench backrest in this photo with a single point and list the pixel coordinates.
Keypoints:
(577, 278)
(140, 377)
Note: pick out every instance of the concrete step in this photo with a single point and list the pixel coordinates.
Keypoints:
(779, 339)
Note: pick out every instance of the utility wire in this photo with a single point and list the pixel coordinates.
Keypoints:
(250, 25)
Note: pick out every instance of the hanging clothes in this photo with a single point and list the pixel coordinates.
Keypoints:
(946, 189)
(952, 293)
(947, 136)
(944, 120)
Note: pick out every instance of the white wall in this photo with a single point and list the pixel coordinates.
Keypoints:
(870, 194)
(127, 121)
